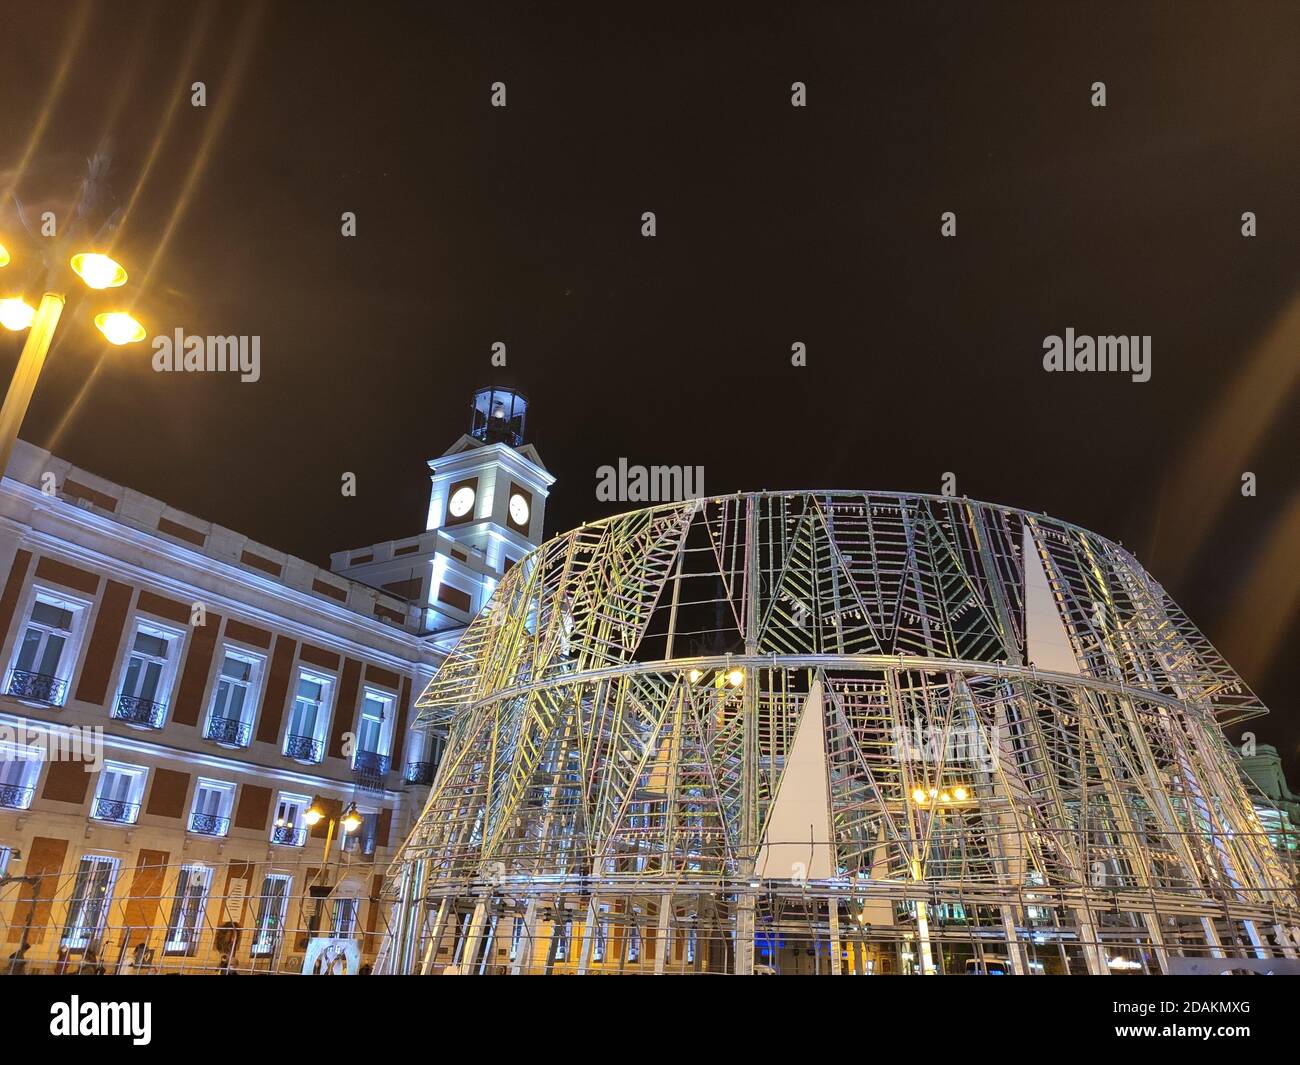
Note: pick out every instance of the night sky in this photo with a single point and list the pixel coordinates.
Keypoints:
(775, 224)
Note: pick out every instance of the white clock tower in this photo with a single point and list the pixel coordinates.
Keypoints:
(486, 507)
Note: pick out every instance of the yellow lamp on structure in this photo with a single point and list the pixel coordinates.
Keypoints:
(960, 794)
(312, 815)
(694, 676)
(98, 271)
(919, 796)
(736, 678)
(16, 314)
(351, 818)
(4, 255)
(119, 327)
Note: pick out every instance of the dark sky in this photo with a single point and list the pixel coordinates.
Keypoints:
(775, 225)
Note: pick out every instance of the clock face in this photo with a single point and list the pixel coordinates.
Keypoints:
(518, 509)
(461, 501)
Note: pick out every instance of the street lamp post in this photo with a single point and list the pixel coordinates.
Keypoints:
(98, 272)
(30, 363)
(350, 821)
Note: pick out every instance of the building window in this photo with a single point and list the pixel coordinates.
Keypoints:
(364, 839)
(186, 922)
(424, 751)
(5, 854)
(289, 829)
(142, 699)
(19, 768)
(634, 940)
(46, 651)
(271, 909)
(516, 937)
(602, 934)
(376, 713)
(303, 739)
(563, 933)
(117, 798)
(230, 721)
(1036, 913)
(345, 918)
(88, 906)
(210, 814)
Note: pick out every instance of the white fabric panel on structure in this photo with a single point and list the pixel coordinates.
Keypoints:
(1046, 641)
(797, 842)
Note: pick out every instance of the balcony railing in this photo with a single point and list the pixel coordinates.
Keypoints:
(122, 813)
(419, 772)
(369, 769)
(303, 749)
(13, 797)
(209, 824)
(288, 836)
(37, 687)
(370, 762)
(136, 711)
(230, 731)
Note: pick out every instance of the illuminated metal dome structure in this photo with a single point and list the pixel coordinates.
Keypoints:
(835, 732)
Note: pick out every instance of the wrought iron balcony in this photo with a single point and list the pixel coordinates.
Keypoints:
(419, 772)
(37, 687)
(370, 762)
(230, 731)
(12, 797)
(303, 748)
(136, 711)
(123, 813)
(209, 824)
(288, 836)
(369, 769)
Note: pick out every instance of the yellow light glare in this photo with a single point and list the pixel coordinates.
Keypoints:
(16, 314)
(351, 819)
(694, 676)
(960, 794)
(98, 271)
(736, 678)
(919, 796)
(944, 797)
(312, 816)
(119, 327)
(4, 255)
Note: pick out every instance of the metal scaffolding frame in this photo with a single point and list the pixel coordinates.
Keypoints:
(838, 732)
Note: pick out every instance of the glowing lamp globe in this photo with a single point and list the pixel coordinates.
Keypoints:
(119, 327)
(16, 314)
(98, 271)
